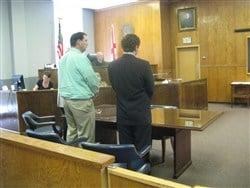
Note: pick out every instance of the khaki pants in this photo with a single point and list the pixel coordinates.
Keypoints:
(80, 115)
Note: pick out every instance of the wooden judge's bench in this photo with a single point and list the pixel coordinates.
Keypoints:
(189, 95)
(185, 95)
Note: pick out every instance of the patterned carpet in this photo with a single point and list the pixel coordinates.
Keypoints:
(220, 153)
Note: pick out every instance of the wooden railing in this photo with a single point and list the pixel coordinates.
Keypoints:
(193, 94)
(29, 162)
(123, 178)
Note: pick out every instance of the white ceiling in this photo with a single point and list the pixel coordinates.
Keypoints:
(93, 4)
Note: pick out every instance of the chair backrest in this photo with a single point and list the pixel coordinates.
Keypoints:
(53, 137)
(30, 120)
(125, 153)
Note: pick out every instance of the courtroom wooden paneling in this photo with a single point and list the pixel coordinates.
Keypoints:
(106, 95)
(28, 162)
(146, 20)
(42, 102)
(103, 71)
(123, 178)
(223, 52)
(166, 37)
(166, 94)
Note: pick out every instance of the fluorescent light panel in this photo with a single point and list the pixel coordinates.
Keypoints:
(93, 4)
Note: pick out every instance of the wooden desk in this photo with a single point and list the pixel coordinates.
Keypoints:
(8, 110)
(240, 90)
(172, 122)
(42, 103)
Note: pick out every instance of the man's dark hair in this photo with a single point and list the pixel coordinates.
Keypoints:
(75, 37)
(129, 42)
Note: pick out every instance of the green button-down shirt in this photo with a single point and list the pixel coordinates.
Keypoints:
(77, 79)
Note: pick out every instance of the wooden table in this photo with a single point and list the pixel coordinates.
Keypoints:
(240, 90)
(173, 122)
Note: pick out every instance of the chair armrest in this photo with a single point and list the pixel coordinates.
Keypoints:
(46, 118)
(142, 153)
(58, 131)
(145, 169)
(122, 165)
(41, 124)
(76, 142)
(163, 106)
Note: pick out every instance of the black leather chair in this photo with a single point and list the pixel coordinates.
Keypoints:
(160, 135)
(53, 137)
(126, 155)
(41, 123)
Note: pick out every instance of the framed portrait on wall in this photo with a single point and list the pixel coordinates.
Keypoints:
(187, 18)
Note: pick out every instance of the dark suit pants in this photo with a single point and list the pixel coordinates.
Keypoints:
(139, 135)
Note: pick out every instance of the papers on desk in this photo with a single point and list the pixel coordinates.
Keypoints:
(240, 83)
(189, 123)
(5, 88)
(165, 81)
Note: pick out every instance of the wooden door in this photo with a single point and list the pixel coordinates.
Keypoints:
(187, 63)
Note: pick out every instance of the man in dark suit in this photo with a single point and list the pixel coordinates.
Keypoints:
(132, 80)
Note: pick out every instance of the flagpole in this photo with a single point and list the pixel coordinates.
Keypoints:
(60, 40)
(113, 43)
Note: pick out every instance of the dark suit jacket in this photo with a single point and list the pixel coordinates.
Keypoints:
(133, 82)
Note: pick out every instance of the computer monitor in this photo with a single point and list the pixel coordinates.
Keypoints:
(1, 84)
(18, 82)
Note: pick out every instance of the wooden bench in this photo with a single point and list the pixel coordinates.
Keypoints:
(123, 178)
(29, 162)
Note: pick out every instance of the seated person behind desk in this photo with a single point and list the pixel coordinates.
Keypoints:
(97, 59)
(44, 83)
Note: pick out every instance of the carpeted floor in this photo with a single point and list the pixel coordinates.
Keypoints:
(220, 153)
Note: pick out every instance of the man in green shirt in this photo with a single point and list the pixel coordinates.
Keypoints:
(78, 84)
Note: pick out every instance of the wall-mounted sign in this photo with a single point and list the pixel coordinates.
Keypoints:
(187, 40)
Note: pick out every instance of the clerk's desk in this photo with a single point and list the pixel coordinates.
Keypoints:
(169, 121)
(240, 90)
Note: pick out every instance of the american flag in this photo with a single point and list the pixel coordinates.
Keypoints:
(60, 43)
(113, 44)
